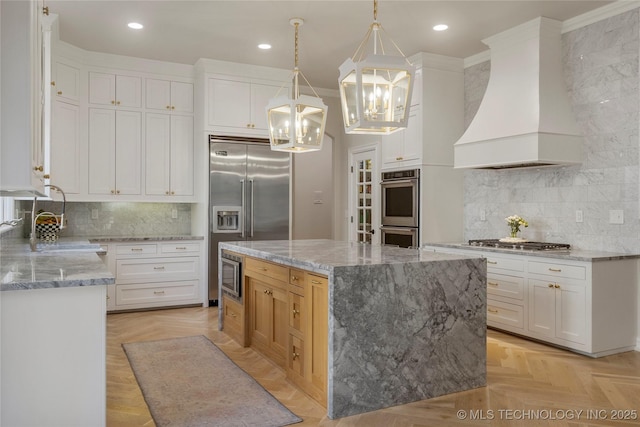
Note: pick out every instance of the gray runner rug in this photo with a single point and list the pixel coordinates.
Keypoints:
(191, 382)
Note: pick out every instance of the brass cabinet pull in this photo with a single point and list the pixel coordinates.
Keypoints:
(491, 310)
(173, 108)
(492, 283)
(492, 262)
(268, 292)
(38, 168)
(398, 158)
(53, 83)
(556, 286)
(550, 285)
(117, 191)
(295, 312)
(180, 248)
(59, 92)
(232, 314)
(113, 102)
(168, 107)
(136, 249)
(117, 102)
(46, 176)
(158, 292)
(295, 355)
(295, 278)
(556, 270)
(315, 282)
(159, 268)
(262, 269)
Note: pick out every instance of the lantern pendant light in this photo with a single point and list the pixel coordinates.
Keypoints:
(375, 91)
(296, 124)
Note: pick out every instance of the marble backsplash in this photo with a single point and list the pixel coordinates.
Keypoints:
(601, 74)
(115, 219)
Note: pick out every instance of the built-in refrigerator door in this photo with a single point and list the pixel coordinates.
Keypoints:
(268, 194)
(227, 185)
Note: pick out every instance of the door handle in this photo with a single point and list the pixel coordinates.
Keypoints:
(242, 216)
(251, 182)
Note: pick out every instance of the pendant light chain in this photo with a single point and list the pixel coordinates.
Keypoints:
(375, 10)
(296, 89)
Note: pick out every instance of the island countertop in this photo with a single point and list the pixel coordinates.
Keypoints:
(322, 255)
(403, 324)
(69, 263)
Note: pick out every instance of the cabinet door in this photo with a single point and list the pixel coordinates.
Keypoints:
(542, 307)
(280, 319)
(260, 96)
(128, 151)
(317, 332)
(102, 88)
(405, 144)
(128, 91)
(229, 103)
(65, 147)
(67, 82)
(181, 97)
(157, 153)
(158, 94)
(181, 155)
(102, 151)
(571, 313)
(260, 307)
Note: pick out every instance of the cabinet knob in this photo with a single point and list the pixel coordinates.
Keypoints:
(248, 125)
(294, 354)
(117, 191)
(173, 108)
(46, 176)
(59, 92)
(168, 107)
(166, 192)
(173, 192)
(398, 158)
(113, 102)
(53, 83)
(550, 285)
(232, 314)
(556, 286)
(294, 278)
(295, 312)
(38, 168)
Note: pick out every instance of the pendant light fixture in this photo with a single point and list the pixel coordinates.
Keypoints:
(375, 90)
(296, 124)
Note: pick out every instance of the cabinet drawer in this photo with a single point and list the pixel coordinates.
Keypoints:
(233, 315)
(501, 313)
(156, 269)
(265, 268)
(497, 264)
(505, 286)
(177, 248)
(143, 249)
(317, 280)
(558, 270)
(297, 277)
(156, 293)
(296, 357)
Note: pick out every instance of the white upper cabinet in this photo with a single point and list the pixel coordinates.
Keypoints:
(116, 90)
(66, 82)
(66, 147)
(239, 107)
(165, 95)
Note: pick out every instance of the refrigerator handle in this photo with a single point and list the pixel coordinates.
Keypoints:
(251, 182)
(243, 210)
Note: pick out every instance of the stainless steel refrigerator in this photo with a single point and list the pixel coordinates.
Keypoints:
(248, 196)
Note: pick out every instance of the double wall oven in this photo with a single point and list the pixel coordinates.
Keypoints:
(400, 194)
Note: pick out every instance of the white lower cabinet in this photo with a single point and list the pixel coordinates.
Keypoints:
(154, 274)
(586, 306)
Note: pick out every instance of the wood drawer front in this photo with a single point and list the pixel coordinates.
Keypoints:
(295, 362)
(156, 269)
(179, 248)
(501, 313)
(297, 277)
(505, 286)
(268, 269)
(297, 315)
(558, 270)
(498, 264)
(314, 279)
(233, 315)
(156, 293)
(143, 249)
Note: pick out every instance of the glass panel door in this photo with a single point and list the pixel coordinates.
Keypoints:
(364, 212)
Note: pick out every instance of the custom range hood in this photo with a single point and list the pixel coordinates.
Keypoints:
(524, 119)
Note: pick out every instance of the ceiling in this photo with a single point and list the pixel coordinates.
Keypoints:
(182, 31)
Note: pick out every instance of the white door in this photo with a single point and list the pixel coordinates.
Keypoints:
(571, 313)
(181, 155)
(542, 307)
(65, 147)
(364, 195)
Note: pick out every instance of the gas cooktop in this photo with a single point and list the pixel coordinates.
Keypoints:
(525, 246)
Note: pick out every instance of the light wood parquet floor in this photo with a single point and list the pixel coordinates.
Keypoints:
(528, 384)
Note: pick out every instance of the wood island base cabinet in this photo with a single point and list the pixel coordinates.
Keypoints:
(284, 316)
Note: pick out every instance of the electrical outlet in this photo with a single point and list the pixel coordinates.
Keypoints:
(174, 213)
(579, 216)
(616, 216)
(483, 215)
(94, 214)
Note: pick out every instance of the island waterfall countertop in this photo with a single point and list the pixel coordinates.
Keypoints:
(67, 263)
(404, 324)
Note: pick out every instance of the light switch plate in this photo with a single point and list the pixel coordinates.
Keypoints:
(94, 214)
(483, 215)
(174, 213)
(579, 216)
(616, 216)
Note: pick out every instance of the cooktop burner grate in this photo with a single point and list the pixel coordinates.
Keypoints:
(531, 246)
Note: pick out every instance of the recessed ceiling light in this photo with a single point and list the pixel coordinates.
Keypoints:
(440, 27)
(264, 46)
(135, 25)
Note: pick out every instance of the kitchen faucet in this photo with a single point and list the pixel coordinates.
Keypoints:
(32, 238)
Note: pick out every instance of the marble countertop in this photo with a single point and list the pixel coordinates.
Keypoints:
(107, 239)
(321, 256)
(572, 254)
(66, 263)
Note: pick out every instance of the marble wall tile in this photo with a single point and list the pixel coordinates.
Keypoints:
(117, 218)
(601, 70)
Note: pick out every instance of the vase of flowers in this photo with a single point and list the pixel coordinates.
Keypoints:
(515, 222)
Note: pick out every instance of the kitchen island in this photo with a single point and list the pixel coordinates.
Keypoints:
(53, 321)
(403, 325)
